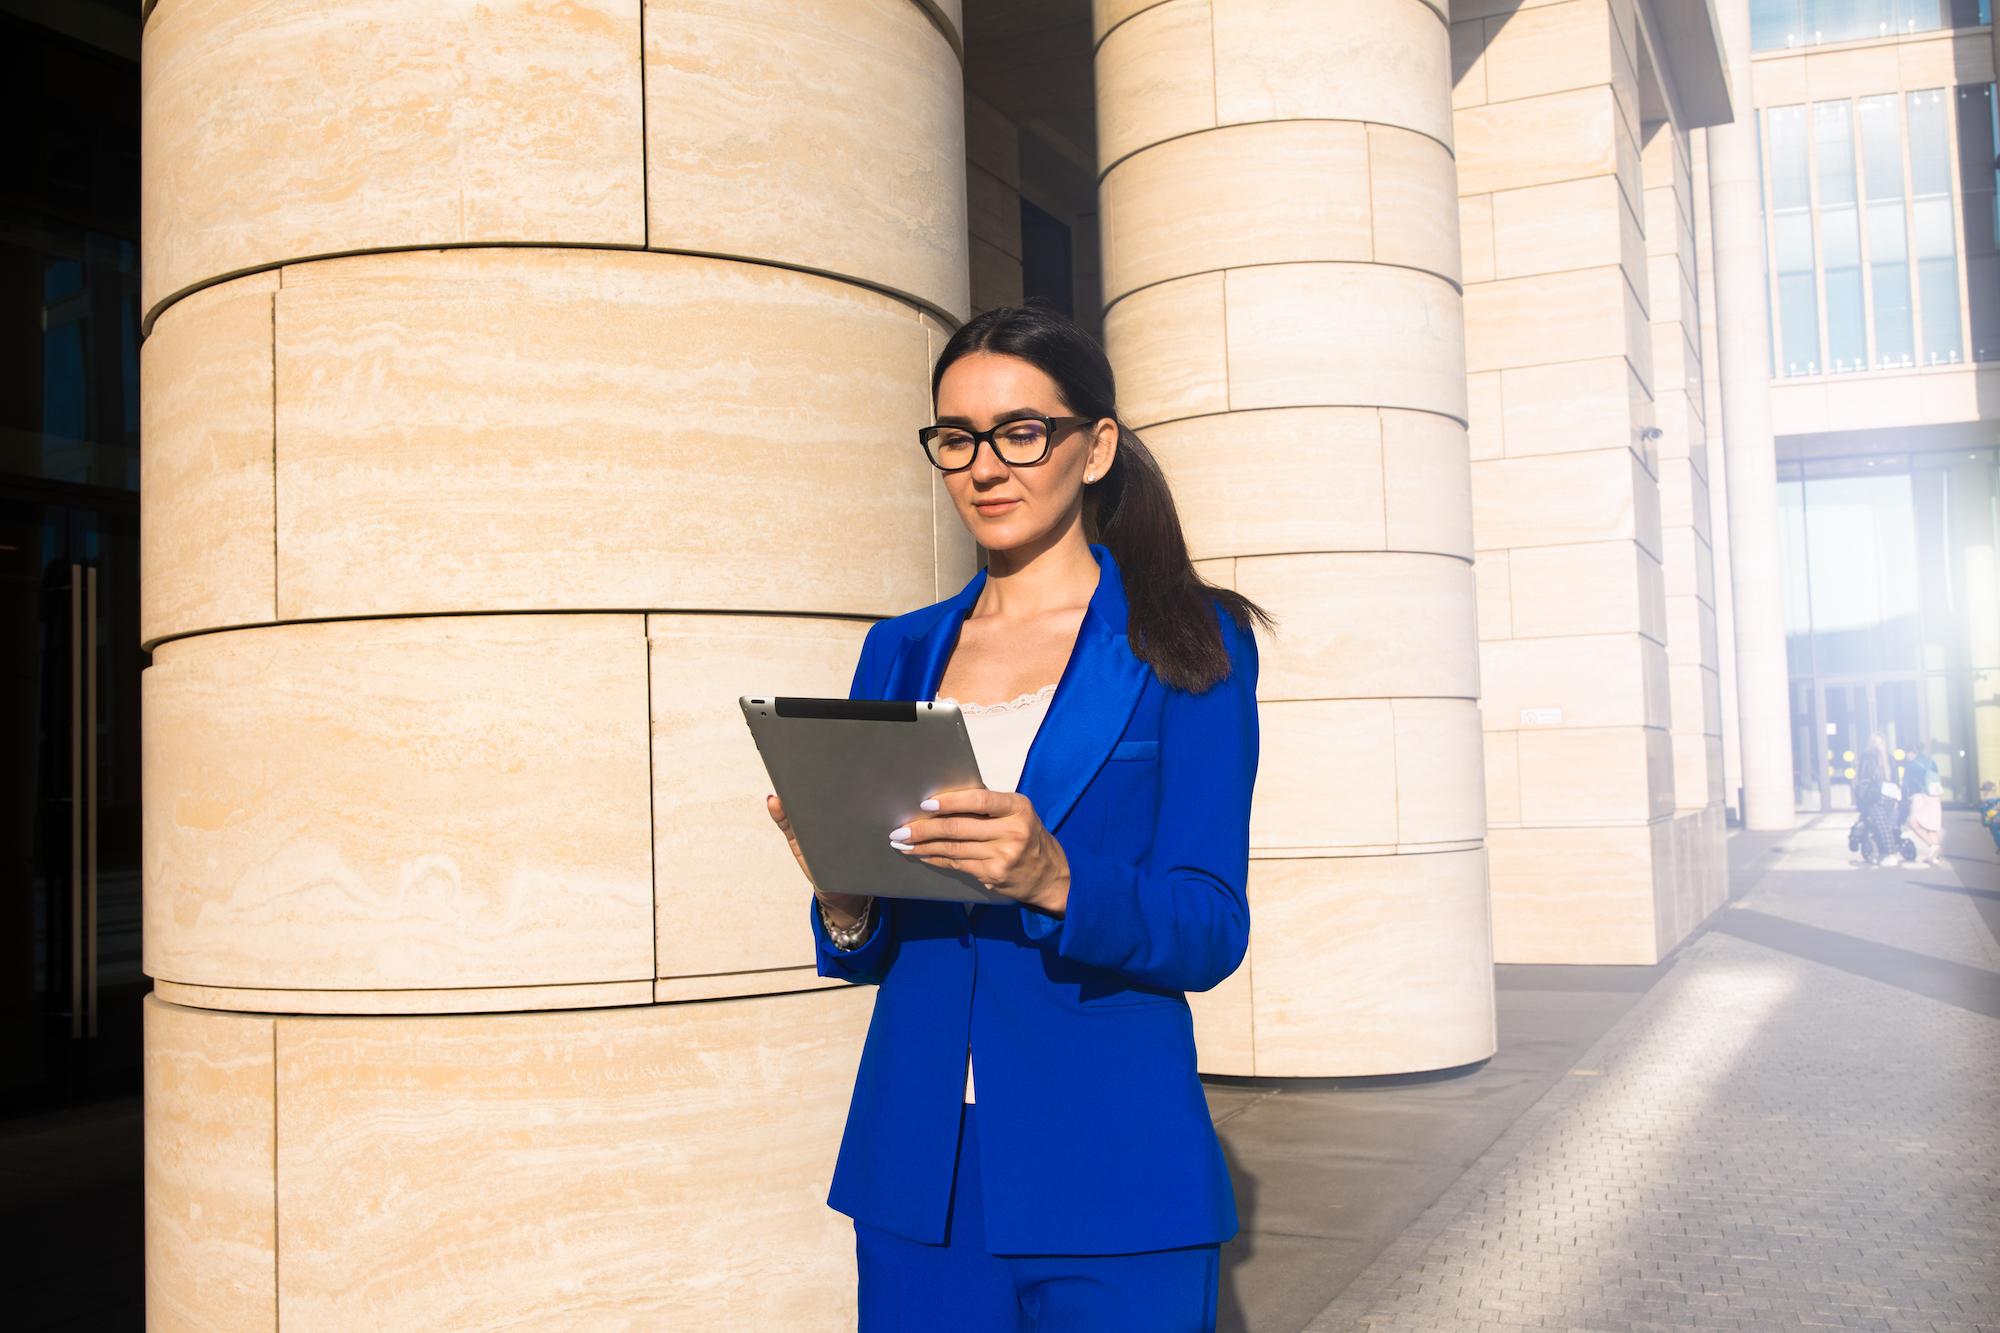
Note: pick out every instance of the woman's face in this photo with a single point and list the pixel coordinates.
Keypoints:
(1006, 507)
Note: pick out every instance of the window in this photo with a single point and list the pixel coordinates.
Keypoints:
(1888, 241)
(1931, 212)
(1978, 177)
(1778, 24)
(1839, 235)
(1792, 240)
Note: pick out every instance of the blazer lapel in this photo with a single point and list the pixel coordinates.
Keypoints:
(1094, 698)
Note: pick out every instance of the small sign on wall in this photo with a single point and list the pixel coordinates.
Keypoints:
(1541, 717)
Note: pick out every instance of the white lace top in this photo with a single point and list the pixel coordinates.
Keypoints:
(1001, 734)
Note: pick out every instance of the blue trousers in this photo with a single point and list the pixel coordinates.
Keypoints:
(906, 1286)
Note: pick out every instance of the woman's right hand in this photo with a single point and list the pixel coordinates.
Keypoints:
(844, 908)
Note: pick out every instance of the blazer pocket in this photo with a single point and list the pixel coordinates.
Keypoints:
(1136, 750)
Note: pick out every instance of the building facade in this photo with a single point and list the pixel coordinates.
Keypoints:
(499, 364)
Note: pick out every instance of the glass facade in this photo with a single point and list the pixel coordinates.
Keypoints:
(1792, 240)
(1888, 242)
(1884, 230)
(1778, 24)
(1979, 202)
(69, 266)
(1892, 615)
(1936, 248)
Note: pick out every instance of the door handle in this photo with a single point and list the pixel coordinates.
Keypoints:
(82, 800)
(90, 836)
(75, 799)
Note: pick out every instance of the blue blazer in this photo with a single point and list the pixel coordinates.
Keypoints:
(1095, 1137)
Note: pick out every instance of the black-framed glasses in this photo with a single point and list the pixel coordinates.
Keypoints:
(1017, 442)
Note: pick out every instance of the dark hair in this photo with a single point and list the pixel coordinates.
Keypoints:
(1130, 509)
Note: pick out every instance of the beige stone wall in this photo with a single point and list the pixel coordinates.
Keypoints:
(484, 391)
(1281, 268)
(1699, 882)
(1598, 853)
(1717, 474)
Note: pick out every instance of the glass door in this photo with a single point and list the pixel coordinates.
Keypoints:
(1850, 711)
(70, 983)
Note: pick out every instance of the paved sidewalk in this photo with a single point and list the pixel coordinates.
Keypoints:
(1796, 1126)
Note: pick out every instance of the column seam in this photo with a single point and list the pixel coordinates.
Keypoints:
(1280, 263)
(1123, 158)
(274, 448)
(645, 167)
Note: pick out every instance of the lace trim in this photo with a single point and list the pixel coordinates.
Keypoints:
(1018, 701)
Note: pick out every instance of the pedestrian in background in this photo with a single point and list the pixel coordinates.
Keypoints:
(1876, 799)
(1925, 830)
(1989, 812)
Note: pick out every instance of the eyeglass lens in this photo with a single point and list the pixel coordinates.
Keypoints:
(1016, 442)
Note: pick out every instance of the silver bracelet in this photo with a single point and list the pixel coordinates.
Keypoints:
(847, 938)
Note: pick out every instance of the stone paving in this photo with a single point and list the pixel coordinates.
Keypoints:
(1796, 1127)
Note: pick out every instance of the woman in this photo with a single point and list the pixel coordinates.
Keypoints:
(1877, 810)
(1077, 1182)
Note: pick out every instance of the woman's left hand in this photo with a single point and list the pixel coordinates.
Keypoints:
(996, 837)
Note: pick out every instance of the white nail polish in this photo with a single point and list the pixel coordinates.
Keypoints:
(900, 835)
(900, 846)
(929, 803)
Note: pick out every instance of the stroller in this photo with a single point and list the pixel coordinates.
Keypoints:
(1861, 837)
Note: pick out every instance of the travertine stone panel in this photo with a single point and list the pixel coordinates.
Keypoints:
(1503, 778)
(1548, 49)
(1593, 775)
(1172, 358)
(453, 122)
(1598, 680)
(1408, 174)
(1307, 795)
(532, 430)
(1365, 625)
(365, 805)
(1477, 256)
(1561, 499)
(211, 1209)
(1273, 192)
(730, 896)
(1383, 61)
(206, 547)
(1565, 225)
(663, 1166)
(1553, 317)
(1367, 963)
(1573, 895)
(1278, 481)
(447, 1000)
(1491, 577)
(829, 134)
(1591, 588)
(1155, 77)
(1312, 334)
(1427, 485)
(1570, 406)
(1440, 775)
(1561, 136)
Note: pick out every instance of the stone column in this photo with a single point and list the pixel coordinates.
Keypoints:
(1718, 478)
(1743, 336)
(1700, 882)
(1281, 273)
(522, 383)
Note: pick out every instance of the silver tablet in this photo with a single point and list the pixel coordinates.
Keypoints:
(851, 770)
